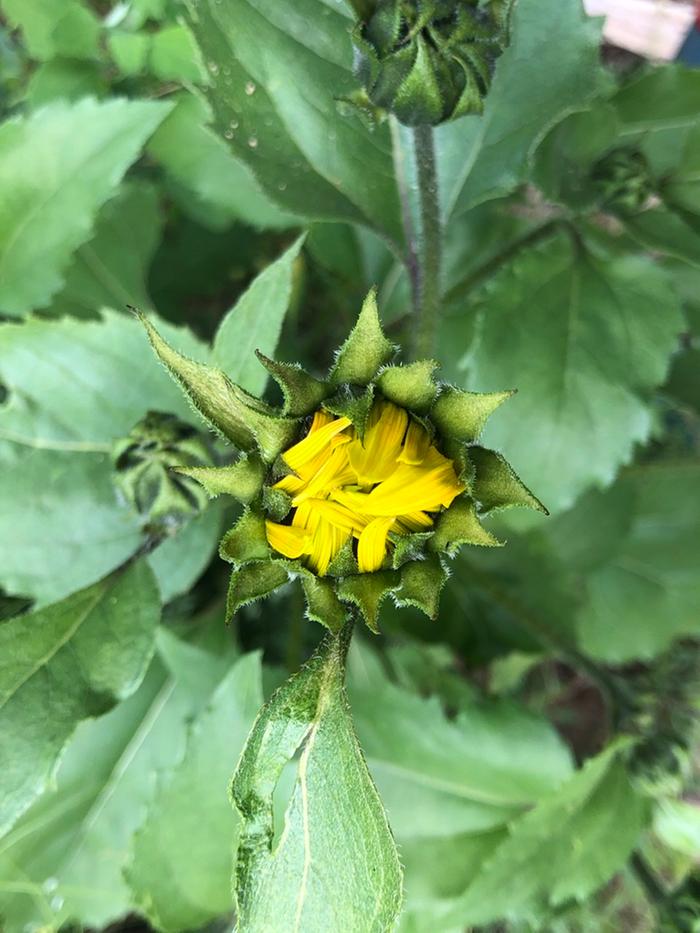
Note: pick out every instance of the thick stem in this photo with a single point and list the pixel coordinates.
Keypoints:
(411, 257)
(427, 301)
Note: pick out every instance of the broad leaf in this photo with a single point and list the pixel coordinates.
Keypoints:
(79, 833)
(57, 168)
(200, 162)
(439, 777)
(274, 85)
(255, 323)
(110, 271)
(70, 661)
(535, 85)
(583, 339)
(642, 588)
(336, 865)
(55, 27)
(181, 887)
(564, 849)
(181, 560)
(61, 526)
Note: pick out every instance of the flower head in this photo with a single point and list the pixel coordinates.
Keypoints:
(361, 485)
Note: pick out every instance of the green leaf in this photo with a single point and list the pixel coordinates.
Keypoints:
(239, 417)
(55, 27)
(411, 386)
(61, 526)
(243, 479)
(79, 833)
(182, 886)
(255, 323)
(65, 79)
(302, 392)
(421, 584)
(643, 590)
(79, 385)
(174, 55)
(535, 85)
(70, 661)
(274, 86)
(460, 525)
(181, 560)
(677, 824)
(564, 849)
(110, 271)
(496, 485)
(657, 100)
(322, 603)
(463, 415)
(334, 818)
(439, 776)
(367, 591)
(366, 350)
(61, 164)
(253, 581)
(199, 161)
(584, 339)
(247, 540)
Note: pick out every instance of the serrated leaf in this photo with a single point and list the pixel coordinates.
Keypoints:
(322, 603)
(61, 164)
(198, 160)
(365, 350)
(585, 338)
(92, 650)
(181, 887)
(463, 415)
(334, 818)
(302, 392)
(564, 849)
(255, 323)
(228, 409)
(274, 86)
(421, 584)
(367, 591)
(110, 270)
(534, 86)
(78, 834)
(247, 540)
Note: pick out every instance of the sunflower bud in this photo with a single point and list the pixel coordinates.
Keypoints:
(361, 486)
(623, 180)
(144, 463)
(429, 61)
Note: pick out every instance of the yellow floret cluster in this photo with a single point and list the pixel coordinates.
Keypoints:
(388, 484)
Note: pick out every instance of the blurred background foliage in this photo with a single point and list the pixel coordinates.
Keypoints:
(164, 156)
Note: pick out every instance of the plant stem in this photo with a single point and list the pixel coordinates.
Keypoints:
(653, 888)
(427, 299)
(411, 257)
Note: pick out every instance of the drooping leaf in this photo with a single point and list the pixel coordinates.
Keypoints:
(255, 323)
(70, 661)
(564, 849)
(181, 887)
(534, 86)
(274, 86)
(335, 817)
(79, 833)
(58, 167)
(584, 339)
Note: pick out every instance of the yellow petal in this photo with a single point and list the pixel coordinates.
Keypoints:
(371, 548)
(414, 521)
(316, 442)
(424, 488)
(288, 540)
(334, 472)
(339, 516)
(290, 484)
(416, 444)
(326, 541)
(375, 458)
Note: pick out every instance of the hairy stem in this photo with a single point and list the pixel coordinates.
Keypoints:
(427, 299)
(411, 257)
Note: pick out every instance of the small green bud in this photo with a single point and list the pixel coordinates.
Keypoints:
(145, 465)
(429, 61)
(623, 180)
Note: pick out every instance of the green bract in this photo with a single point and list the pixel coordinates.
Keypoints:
(429, 61)
(362, 372)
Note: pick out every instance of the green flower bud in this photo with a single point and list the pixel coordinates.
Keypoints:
(429, 61)
(362, 485)
(623, 180)
(145, 464)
